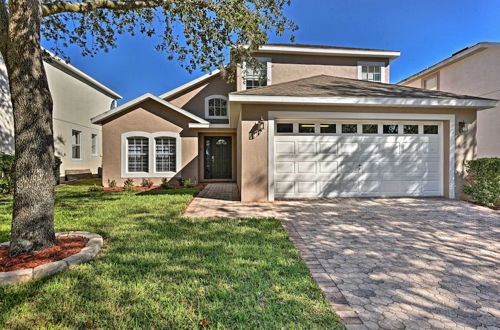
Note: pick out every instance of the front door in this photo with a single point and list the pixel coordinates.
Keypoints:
(218, 157)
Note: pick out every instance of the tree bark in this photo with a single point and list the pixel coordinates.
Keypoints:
(33, 209)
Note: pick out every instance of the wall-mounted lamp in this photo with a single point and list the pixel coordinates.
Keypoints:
(261, 124)
(463, 127)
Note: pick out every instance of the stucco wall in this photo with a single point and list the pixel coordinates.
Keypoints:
(75, 102)
(193, 99)
(254, 177)
(149, 117)
(287, 67)
(477, 75)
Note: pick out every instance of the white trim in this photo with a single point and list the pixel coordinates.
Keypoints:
(327, 51)
(293, 115)
(189, 84)
(98, 119)
(368, 101)
(452, 59)
(216, 96)
(209, 125)
(380, 64)
(151, 155)
(80, 144)
(59, 61)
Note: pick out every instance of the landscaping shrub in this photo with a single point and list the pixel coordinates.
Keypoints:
(483, 181)
(188, 183)
(129, 185)
(95, 188)
(7, 172)
(112, 183)
(147, 183)
(180, 181)
(165, 184)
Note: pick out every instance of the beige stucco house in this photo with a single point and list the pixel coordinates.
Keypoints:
(77, 97)
(313, 121)
(474, 70)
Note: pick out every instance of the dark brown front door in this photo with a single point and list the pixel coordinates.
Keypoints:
(218, 157)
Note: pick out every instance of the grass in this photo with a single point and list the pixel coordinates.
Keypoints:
(160, 270)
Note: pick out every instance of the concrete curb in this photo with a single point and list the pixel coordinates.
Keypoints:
(90, 250)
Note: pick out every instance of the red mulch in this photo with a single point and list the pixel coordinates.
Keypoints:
(174, 186)
(65, 246)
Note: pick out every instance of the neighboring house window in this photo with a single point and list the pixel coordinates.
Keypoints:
(76, 144)
(165, 154)
(430, 83)
(256, 76)
(216, 106)
(371, 71)
(138, 154)
(93, 141)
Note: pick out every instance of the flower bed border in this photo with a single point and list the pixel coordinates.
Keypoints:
(90, 250)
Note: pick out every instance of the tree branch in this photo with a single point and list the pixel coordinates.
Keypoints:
(57, 7)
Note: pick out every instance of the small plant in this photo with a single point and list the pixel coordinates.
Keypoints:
(95, 188)
(112, 183)
(128, 185)
(180, 181)
(147, 183)
(165, 184)
(483, 181)
(188, 183)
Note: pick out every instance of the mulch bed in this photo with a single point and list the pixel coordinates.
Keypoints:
(65, 246)
(174, 186)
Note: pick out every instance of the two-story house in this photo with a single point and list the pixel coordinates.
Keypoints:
(77, 97)
(474, 70)
(314, 121)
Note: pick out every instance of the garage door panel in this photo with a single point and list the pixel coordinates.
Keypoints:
(357, 165)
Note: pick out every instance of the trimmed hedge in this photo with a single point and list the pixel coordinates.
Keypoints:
(7, 172)
(483, 181)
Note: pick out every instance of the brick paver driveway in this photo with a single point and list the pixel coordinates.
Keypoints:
(394, 263)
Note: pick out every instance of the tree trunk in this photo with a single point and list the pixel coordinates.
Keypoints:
(33, 210)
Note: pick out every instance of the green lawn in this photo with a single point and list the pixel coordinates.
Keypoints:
(160, 270)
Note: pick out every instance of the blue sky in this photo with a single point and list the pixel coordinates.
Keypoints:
(425, 32)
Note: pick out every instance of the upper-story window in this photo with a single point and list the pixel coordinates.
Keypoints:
(371, 71)
(216, 106)
(430, 83)
(256, 76)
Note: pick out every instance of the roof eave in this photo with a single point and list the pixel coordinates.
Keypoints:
(365, 101)
(328, 52)
(148, 96)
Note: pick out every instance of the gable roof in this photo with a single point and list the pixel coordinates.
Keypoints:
(324, 89)
(455, 57)
(59, 63)
(189, 84)
(148, 96)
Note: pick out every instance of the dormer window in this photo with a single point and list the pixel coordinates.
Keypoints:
(216, 106)
(371, 71)
(256, 76)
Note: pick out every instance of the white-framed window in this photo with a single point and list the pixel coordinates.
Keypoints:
(256, 76)
(165, 153)
(371, 71)
(93, 144)
(216, 106)
(430, 83)
(76, 144)
(150, 154)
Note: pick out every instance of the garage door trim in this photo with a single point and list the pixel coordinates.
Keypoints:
(296, 115)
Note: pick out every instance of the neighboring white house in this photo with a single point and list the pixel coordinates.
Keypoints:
(77, 98)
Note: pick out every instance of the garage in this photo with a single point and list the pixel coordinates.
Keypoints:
(357, 158)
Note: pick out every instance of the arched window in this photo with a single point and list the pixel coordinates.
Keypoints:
(216, 106)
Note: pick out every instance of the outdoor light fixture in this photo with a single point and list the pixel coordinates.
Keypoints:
(261, 124)
(462, 127)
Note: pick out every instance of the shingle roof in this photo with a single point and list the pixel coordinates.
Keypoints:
(324, 86)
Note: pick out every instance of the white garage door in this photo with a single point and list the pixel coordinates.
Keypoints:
(357, 158)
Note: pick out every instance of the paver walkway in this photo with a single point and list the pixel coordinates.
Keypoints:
(394, 263)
